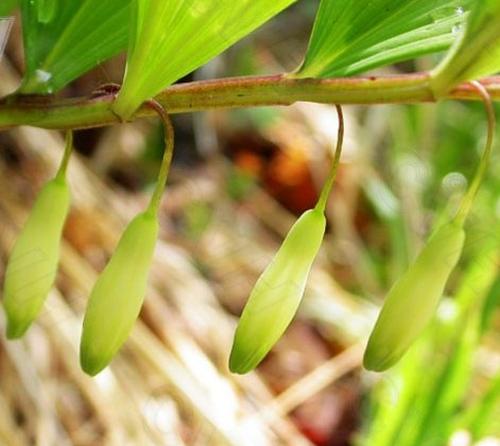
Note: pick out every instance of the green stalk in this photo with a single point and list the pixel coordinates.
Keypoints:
(68, 149)
(469, 197)
(87, 112)
(167, 157)
(327, 187)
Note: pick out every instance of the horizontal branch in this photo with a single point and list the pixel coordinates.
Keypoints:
(77, 113)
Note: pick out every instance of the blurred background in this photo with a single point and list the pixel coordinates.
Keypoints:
(239, 180)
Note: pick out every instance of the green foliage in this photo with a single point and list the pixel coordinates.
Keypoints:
(352, 37)
(477, 53)
(169, 39)
(64, 39)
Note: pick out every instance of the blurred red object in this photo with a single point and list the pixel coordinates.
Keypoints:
(285, 175)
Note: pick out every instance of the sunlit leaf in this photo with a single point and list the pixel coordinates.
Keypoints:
(169, 39)
(352, 37)
(64, 39)
(477, 53)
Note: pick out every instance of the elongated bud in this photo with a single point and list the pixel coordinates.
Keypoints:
(32, 266)
(117, 297)
(279, 290)
(413, 299)
(277, 294)
(118, 294)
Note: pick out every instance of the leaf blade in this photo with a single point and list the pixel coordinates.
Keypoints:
(63, 43)
(476, 54)
(171, 39)
(351, 37)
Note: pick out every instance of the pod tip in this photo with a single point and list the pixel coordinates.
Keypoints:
(16, 330)
(373, 366)
(379, 361)
(245, 358)
(240, 363)
(91, 366)
(235, 365)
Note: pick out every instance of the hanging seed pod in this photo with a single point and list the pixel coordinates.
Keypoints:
(32, 266)
(277, 294)
(118, 294)
(413, 299)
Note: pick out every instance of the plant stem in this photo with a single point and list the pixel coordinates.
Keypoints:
(468, 199)
(154, 204)
(68, 149)
(77, 113)
(327, 187)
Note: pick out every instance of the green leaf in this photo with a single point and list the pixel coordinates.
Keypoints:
(352, 37)
(476, 54)
(169, 39)
(64, 39)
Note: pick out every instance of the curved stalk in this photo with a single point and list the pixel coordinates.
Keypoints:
(68, 149)
(154, 204)
(327, 187)
(469, 197)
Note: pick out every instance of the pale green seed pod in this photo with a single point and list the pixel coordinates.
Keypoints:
(277, 294)
(413, 299)
(118, 294)
(32, 266)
